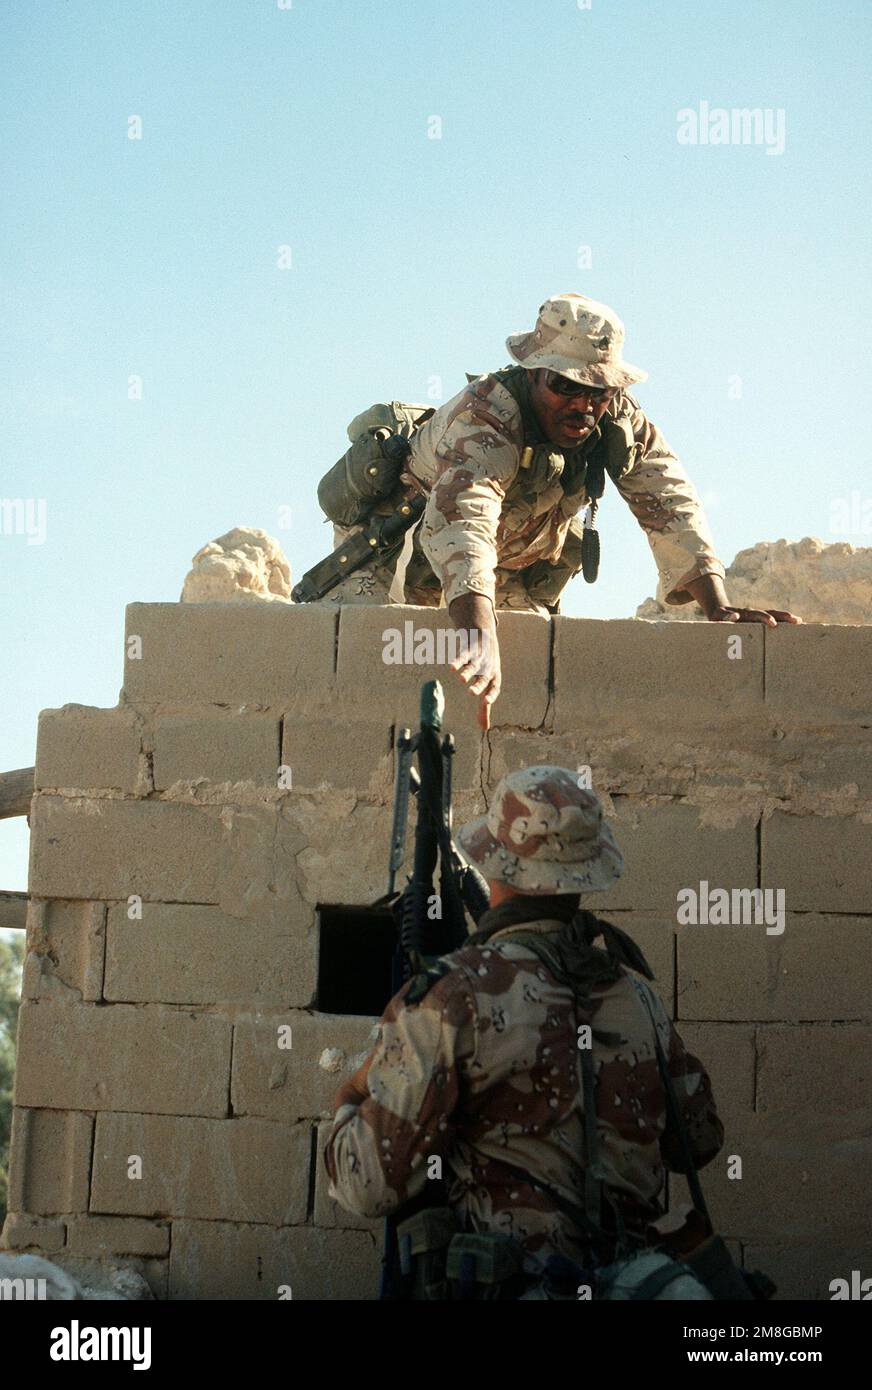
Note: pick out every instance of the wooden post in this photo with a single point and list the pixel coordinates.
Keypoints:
(13, 911)
(16, 790)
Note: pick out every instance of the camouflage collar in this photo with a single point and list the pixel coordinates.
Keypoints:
(572, 936)
(552, 907)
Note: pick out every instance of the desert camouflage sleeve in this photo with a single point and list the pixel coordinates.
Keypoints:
(377, 1153)
(693, 1092)
(667, 506)
(701, 1120)
(478, 455)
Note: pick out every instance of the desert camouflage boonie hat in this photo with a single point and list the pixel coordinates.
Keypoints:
(544, 834)
(579, 338)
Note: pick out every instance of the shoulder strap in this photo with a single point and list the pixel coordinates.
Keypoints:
(673, 1109)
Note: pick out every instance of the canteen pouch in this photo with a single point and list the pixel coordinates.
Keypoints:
(422, 1241)
(369, 472)
(485, 1265)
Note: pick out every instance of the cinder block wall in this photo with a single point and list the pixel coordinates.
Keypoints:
(158, 1120)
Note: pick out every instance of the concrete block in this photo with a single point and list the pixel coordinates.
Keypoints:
(112, 849)
(822, 1071)
(821, 862)
(620, 672)
(819, 673)
(180, 953)
(66, 942)
(292, 1083)
(49, 1160)
(328, 1213)
(808, 1272)
(240, 857)
(347, 844)
(794, 1186)
(816, 969)
(349, 753)
(102, 1236)
(274, 655)
(81, 747)
(668, 847)
(217, 1260)
(726, 1050)
(233, 1170)
(84, 1057)
(365, 640)
(228, 747)
(24, 1232)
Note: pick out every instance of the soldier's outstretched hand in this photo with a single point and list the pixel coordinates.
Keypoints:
(478, 664)
(770, 616)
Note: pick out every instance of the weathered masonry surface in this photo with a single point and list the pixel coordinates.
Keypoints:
(156, 1038)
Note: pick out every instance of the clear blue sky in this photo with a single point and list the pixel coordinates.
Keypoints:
(412, 258)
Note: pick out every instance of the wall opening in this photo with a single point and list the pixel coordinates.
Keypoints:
(355, 954)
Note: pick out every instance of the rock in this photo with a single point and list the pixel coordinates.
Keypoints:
(59, 1286)
(112, 1283)
(820, 582)
(244, 566)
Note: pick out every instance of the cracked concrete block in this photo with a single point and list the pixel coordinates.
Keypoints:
(231, 747)
(119, 1057)
(66, 943)
(218, 1260)
(277, 655)
(230, 1170)
(78, 746)
(288, 1083)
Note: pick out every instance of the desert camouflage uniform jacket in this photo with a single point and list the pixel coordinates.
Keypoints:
(483, 1072)
(479, 514)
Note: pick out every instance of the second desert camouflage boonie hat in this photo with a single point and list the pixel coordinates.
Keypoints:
(544, 834)
(581, 339)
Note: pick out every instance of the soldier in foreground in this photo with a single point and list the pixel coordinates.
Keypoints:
(492, 487)
(480, 1060)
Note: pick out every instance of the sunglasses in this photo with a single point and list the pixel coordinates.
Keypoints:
(562, 386)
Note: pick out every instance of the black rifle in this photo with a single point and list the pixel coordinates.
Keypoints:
(429, 925)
